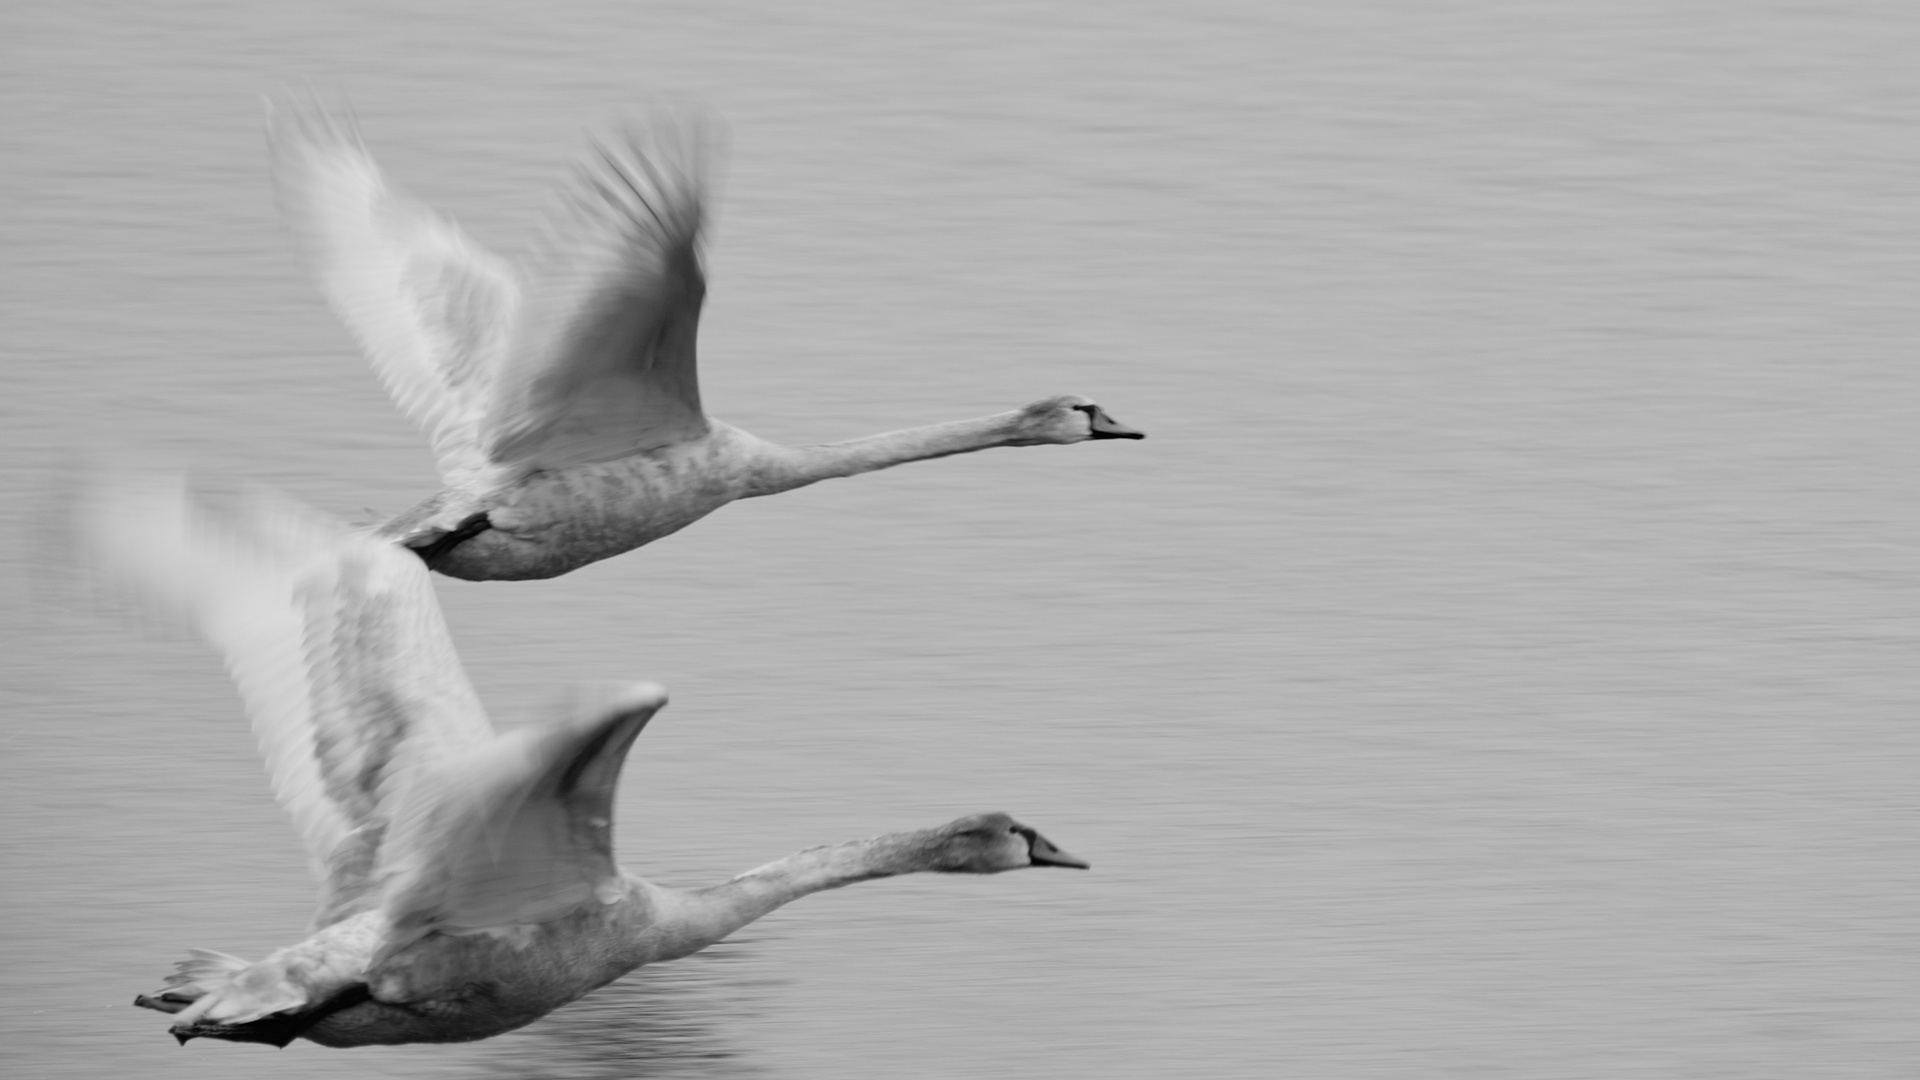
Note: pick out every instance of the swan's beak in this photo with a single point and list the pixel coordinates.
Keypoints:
(1043, 853)
(1106, 427)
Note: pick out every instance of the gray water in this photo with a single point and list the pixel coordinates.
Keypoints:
(1497, 662)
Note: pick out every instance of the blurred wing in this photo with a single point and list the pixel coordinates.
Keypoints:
(518, 831)
(604, 354)
(432, 309)
(335, 642)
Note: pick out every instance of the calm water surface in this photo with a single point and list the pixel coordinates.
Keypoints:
(1498, 661)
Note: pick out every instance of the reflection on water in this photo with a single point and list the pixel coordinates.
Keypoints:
(664, 1021)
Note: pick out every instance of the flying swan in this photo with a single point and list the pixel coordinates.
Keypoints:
(561, 398)
(467, 879)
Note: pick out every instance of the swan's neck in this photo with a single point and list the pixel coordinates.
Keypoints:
(712, 913)
(783, 468)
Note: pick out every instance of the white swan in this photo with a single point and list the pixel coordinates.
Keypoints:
(563, 403)
(468, 884)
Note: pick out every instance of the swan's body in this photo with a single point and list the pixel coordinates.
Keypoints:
(468, 881)
(563, 401)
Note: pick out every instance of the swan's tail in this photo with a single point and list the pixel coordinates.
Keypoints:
(224, 997)
(204, 972)
(275, 1029)
(225, 989)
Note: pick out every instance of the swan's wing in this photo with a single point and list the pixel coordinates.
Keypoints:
(518, 831)
(432, 309)
(334, 639)
(603, 357)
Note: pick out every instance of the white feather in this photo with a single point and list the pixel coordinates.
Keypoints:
(590, 360)
(333, 638)
(432, 308)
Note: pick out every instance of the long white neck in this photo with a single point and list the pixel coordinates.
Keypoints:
(783, 468)
(700, 917)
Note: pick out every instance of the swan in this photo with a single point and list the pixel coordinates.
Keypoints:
(561, 400)
(467, 877)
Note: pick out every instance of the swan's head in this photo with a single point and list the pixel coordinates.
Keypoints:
(991, 843)
(1068, 418)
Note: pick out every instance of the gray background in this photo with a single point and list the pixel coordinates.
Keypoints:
(1496, 663)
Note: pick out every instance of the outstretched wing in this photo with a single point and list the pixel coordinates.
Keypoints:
(335, 642)
(518, 831)
(603, 353)
(432, 309)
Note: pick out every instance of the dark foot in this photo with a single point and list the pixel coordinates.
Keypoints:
(278, 1029)
(164, 1002)
(435, 553)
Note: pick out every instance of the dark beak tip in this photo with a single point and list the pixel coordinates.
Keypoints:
(1106, 427)
(1042, 852)
(1045, 854)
